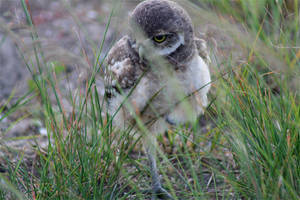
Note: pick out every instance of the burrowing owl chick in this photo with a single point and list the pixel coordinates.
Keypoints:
(152, 68)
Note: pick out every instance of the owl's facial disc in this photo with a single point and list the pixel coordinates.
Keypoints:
(161, 44)
(166, 44)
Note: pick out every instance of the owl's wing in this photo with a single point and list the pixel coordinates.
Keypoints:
(120, 72)
(202, 50)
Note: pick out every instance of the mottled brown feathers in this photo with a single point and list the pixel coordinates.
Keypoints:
(122, 69)
(202, 49)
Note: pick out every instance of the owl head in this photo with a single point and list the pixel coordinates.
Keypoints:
(165, 27)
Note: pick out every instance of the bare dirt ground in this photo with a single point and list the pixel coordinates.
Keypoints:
(60, 31)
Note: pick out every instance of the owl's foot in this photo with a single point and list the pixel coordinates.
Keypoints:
(158, 192)
(161, 193)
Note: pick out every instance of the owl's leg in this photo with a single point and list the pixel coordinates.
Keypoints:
(157, 189)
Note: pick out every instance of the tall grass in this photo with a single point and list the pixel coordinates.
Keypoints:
(262, 116)
(250, 151)
(263, 135)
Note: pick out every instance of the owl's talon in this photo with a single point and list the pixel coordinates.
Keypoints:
(161, 193)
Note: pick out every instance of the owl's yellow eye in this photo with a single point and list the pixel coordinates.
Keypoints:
(159, 38)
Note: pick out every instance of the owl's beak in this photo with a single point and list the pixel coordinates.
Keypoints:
(141, 51)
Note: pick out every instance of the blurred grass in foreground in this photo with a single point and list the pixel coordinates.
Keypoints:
(253, 151)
